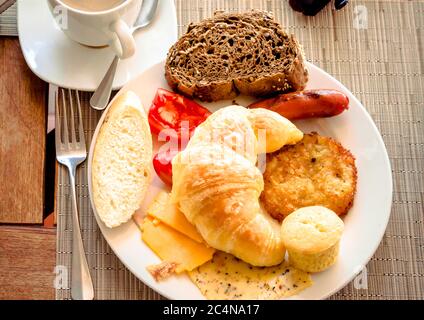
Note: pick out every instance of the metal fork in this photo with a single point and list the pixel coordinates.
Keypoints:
(70, 152)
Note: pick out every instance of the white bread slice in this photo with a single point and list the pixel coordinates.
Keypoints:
(121, 167)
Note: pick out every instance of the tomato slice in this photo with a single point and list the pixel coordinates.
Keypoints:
(176, 114)
(173, 111)
(162, 163)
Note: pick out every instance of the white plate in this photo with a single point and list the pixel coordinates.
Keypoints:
(56, 59)
(364, 224)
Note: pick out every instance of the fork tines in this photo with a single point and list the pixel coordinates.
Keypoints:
(68, 113)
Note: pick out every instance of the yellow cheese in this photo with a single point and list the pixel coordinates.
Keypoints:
(172, 246)
(226, 277)
(167, 212)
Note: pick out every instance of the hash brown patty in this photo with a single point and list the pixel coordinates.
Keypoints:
(315, 171)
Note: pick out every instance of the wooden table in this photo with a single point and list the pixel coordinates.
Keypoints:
(388, 56)
(27, 238)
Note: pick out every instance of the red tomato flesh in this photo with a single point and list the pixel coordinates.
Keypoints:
(162, 163)
(169, 110)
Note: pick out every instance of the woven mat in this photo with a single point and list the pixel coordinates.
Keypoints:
(379, 58)
(8, 26)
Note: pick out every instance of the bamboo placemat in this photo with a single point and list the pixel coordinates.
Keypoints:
(8, 25)
(375, 48)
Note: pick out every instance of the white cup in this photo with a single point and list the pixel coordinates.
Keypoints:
(99, 28)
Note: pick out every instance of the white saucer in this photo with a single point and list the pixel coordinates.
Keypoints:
(56, 59)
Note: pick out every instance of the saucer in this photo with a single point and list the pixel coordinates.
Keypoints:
(56, 59)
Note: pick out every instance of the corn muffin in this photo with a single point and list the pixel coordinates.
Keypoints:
(311, 236)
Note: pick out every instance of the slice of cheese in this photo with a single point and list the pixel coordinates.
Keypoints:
(168, 213)
(226, 277)
(173, 246)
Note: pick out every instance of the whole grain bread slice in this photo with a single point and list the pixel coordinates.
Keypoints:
(232, 53)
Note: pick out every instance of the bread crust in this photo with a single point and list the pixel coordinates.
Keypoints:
(120, 180)
(231, 54)
(216, 183)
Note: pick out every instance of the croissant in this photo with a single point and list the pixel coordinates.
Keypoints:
(216, 182)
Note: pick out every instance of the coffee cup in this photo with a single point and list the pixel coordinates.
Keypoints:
(99, 23)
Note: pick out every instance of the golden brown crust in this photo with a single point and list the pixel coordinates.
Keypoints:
(316, 171)
(216, 183)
